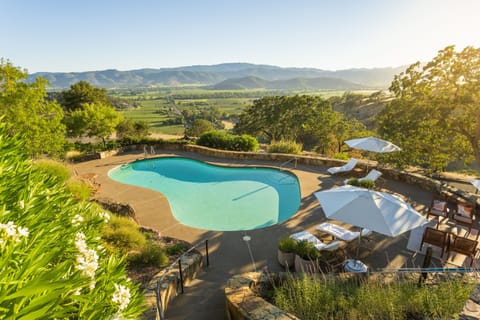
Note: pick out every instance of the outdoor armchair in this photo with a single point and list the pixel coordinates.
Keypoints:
(463, 246)
(438, 207)
(463, 214)
(345, 168)
(435, 237)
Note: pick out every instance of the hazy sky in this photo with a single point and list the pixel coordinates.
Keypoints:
(81, 35)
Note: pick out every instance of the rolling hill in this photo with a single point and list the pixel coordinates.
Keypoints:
(321, 83)
(216, 75)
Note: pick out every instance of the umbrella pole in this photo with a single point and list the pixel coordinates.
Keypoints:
(358, 247)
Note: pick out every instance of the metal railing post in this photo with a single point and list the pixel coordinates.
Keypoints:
(426, 264)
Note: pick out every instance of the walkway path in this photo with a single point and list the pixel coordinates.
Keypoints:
(229, 255)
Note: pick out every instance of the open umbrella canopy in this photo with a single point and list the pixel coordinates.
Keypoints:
(378, 211)
(476, 183)
(372, 144)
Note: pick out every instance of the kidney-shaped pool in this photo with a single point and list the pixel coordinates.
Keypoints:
(217, 198)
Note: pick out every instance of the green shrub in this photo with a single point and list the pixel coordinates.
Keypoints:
(366, 183)
(287, 244)
(334, 298)
(307, 251)
(341, 156)
(53, 169)
(73, 155)
(150, 255)
(80, 189)
(245, 143)
(226, 141)
(127, 141)
(284, 146)
(122, 235)
(52, 262)
(175, 249)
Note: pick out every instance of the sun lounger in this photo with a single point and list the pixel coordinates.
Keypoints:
(307, 236)
(345, 168)
(340, 232)
(372, 175)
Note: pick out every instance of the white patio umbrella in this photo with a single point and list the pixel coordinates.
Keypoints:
(378, 211)
(372, 144)
(476, 183)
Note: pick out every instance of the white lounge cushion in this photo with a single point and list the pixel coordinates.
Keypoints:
(345, 168)
(372, 175)
(306, 235)
(337, 231)
(340, 232)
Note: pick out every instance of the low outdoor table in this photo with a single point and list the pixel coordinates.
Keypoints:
(352, 265)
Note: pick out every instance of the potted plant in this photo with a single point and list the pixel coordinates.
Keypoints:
(306, 257)
(286, 252)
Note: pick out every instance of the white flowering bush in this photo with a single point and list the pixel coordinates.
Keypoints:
(52, 262)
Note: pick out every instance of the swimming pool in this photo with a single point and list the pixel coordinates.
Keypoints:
(217, 198)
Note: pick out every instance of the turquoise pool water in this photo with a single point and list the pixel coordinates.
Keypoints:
(217, 198)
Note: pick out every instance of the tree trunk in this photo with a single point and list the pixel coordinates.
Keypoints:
(475, 144)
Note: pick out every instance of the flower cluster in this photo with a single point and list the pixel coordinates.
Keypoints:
(13, 232)
(105, 216)
(121, 296)
(77, 220)
(87, 259)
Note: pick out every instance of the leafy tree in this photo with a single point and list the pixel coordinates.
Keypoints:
(25, 107)
(93, 120)
(308, 120)
(199, 127)
(81, 93)
(211, 114)
(343, 129)
(435, 116)
(133, 129)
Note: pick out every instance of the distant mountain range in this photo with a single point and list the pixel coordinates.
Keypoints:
(230, 76)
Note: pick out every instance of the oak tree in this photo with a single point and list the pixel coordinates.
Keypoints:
(27, 111)
(435, 116)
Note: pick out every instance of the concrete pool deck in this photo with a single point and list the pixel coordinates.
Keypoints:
(229, 254)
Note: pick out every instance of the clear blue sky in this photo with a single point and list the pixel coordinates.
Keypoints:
(81, 35)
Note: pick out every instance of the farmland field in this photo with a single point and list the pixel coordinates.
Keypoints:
(160, 107)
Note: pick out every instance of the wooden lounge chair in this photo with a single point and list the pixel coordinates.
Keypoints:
(463, 214)
(463, 246)
(438, 207)
(435, 237)
(345, 168)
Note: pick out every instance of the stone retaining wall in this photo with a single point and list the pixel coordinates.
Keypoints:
(170, 286)
(243, 303)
